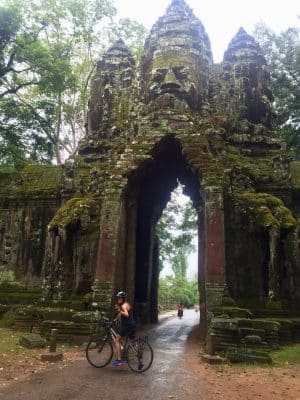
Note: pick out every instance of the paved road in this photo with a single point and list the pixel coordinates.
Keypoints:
(168, 378)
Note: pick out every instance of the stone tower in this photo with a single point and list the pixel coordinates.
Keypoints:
(175, 116)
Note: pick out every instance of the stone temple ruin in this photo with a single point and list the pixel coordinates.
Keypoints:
(88, 226)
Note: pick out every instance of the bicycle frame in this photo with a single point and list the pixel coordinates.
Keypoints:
(132, 348)
(125, 342)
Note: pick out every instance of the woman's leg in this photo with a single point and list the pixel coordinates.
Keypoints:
(118, 347)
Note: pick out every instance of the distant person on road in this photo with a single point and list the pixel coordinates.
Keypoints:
(127, 324)
(180, 310)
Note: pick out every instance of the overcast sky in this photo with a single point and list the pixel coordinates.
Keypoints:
(221, 18)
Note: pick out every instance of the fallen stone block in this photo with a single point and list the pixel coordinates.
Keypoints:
(32, 341)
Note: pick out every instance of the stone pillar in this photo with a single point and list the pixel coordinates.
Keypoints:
(201, 273)
(215, 275)
(131, 248)
(154, 282)
(108, 252)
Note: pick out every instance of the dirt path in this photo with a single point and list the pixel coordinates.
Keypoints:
(230, 382)
(176, 374)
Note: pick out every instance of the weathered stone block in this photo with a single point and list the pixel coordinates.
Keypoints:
(253, 339)
(32, 341)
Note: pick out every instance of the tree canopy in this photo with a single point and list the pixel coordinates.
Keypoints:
(177, 289)
(175, 230)
(48, 52)
(282, 52)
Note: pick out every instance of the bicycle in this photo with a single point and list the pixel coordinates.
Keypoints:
(137, 352)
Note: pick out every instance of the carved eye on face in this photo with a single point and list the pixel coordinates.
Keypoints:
(181, 72)
(158, 74)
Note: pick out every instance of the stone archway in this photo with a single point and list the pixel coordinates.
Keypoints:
(128, 253)
(152, 185)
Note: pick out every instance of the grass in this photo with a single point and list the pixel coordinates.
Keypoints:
(9, 340)
(287, 355)
(9, 345)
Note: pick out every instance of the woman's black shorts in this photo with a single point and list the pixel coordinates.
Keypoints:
(127, 330)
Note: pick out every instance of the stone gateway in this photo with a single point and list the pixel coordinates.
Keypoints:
(89, 226)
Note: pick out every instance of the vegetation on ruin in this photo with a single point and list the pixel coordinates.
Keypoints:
(6, 275)
(72, 211)
(267, 210)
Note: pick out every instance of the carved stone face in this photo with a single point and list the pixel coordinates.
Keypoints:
(175, 77)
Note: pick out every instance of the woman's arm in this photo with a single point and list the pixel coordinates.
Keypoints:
(124, 310)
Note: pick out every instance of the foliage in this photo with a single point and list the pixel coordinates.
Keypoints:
(178, 290)
(6, 275)
(176, 229)
(282, 53)
(48, 51)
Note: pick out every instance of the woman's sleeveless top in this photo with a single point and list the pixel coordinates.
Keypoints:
(128, 321)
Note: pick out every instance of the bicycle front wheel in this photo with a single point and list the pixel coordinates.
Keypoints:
(139, 355)
(99, 351)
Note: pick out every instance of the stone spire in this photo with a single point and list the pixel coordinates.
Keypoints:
(117, 56)
(245, 63)
(243, 46)
(178, 3)
(179, 29)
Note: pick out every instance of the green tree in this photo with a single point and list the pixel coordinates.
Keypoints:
(176, 229)
(48, 54)
(282, 53)
(177, 289)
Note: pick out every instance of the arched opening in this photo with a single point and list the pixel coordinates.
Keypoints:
(177, 234)
(149, 191)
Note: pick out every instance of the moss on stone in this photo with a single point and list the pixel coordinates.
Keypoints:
(121, 108)
(5, 180)
(33, 181)
(12, 293)
(41, 178)
(267, 210)
(172, 60)
(73, 211)
(233, 312)
(295, 174)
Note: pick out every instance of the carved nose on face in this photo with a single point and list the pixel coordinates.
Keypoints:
(170, 81)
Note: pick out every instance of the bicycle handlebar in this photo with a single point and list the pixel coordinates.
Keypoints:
(104, 321)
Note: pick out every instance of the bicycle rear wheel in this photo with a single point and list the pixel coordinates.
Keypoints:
(139, 355)
(99, 351)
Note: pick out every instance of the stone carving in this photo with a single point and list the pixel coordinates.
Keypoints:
(245, 68)
(175, 116)
(110, 95)
(177, 60)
